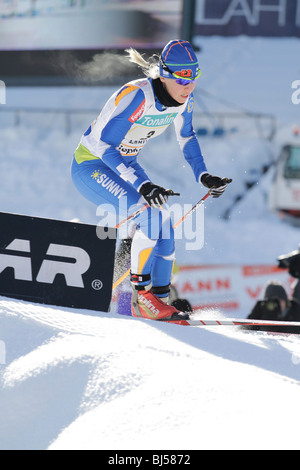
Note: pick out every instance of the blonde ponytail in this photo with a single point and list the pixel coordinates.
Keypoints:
(150, 67)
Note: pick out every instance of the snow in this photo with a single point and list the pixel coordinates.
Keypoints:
(75, 379)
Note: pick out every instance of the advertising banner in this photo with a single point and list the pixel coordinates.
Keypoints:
(55, 262)
(270, 18)
(232, 289)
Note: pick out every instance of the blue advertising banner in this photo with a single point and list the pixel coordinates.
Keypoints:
(271, 18)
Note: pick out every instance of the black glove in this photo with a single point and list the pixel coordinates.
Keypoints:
(154, 195)
(215, 184)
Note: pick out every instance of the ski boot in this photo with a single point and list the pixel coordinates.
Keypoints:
(145, 304)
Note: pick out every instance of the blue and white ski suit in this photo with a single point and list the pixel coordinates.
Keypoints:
(105, 168)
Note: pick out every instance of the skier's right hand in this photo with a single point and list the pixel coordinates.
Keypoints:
(155, 195)
(216, 184)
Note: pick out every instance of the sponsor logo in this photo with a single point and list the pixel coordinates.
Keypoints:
(49, 268)
(140, 141)
(210, 285)
(55, 262)
(109, 184)
(127, 173)
(184, 73)
(156, 121)
(128, 150)
(131, 147)
(148, 304)
(137, 113)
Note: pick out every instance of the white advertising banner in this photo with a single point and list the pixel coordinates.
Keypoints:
(232, 289)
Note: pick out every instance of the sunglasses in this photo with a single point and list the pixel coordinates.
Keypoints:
(180, 80)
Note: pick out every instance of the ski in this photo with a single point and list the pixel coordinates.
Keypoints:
(232, 322)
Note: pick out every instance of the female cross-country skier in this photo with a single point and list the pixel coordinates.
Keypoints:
(105, 168)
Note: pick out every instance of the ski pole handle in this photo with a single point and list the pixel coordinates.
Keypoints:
(227, 180)
(170, 192)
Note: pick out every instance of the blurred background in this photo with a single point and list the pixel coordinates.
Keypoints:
(60, 61)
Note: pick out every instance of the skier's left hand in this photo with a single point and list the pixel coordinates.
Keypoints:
(216, 184)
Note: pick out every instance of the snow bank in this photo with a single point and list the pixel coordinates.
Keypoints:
(77, 380)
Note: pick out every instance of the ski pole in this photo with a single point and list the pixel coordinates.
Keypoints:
(195, 207)
(168, 192)
(234, 322)
(133, 215)
(228, 181)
